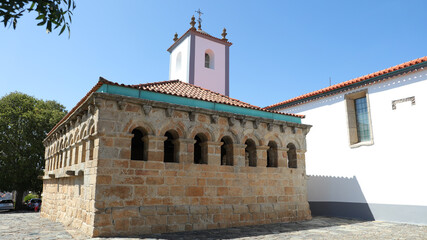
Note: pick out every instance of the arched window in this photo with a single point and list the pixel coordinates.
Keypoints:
(138, 147)
(178, 61)
(227, 151)
(250, 153)
(209, 59)
(292, 156)
(170, 149)
(91, 148)
(83, 151)
(272, 154)
(200, 149)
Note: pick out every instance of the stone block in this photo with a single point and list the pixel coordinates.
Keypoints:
(194, 191)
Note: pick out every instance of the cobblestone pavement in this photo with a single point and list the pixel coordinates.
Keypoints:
(29, 225)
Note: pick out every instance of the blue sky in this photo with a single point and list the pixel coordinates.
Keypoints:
(281, 49)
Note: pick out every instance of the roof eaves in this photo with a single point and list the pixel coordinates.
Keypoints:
(356, 82)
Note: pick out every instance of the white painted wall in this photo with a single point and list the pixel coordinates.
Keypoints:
(212, 79)
(391, 171)
(182, 73)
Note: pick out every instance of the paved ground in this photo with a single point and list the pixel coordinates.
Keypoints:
(29, 225)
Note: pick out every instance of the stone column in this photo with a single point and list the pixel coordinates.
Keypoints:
(185, 150)
(78, 152)
(301, 159)
(155, 147)
(262, 156)
(282, 157)
(63, 158)
(73, 156)
(239, 155)
(214, 153)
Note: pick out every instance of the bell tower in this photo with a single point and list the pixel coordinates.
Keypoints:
(201, 59)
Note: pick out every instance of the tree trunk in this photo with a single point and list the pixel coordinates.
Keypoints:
(18, 200)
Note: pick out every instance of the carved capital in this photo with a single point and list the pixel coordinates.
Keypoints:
(169, 112)
(191, 116)
(231, 121)
(214, 118)
(256, 123)
(120, 104)
(146, 109)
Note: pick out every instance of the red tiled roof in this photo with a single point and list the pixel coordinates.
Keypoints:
(176, 88)
(182, 89)
(350, 82)
(96, 87)
(193, 30)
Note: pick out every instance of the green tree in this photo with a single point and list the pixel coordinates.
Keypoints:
(50, 13)
(24, 123)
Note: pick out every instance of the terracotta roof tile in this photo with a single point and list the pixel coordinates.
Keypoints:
(350, 82)
(182, 89)
(176, 88)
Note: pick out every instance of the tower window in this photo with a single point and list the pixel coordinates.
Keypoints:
(178, 61)
(209, 59)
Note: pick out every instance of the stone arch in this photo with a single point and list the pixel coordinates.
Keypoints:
(253, 137)
(91, 129)
(197, 130)
(77, 135)
(177, 129)
(141, 125)
(71, 140)
(232, 134)
(273, 137)
(294, 142)
(66, 142)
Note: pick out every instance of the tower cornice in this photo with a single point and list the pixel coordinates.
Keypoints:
(195, 32)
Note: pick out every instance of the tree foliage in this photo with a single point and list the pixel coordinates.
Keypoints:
(24, 123)
(51, 13)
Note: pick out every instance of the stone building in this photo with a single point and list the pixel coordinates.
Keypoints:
(172, 156)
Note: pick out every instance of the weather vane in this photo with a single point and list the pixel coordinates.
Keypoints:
(199, 20)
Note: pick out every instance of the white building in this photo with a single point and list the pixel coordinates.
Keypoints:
(365, 155)
(201, 59)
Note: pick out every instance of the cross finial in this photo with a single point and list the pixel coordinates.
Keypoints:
(199, 20)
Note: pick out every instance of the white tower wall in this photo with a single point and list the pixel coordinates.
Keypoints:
(181, 73)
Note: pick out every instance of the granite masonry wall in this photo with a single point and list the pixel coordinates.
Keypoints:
(109, 194)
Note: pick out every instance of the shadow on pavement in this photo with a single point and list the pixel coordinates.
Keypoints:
(255, 231)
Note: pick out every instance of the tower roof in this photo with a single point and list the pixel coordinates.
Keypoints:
(199, 32)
